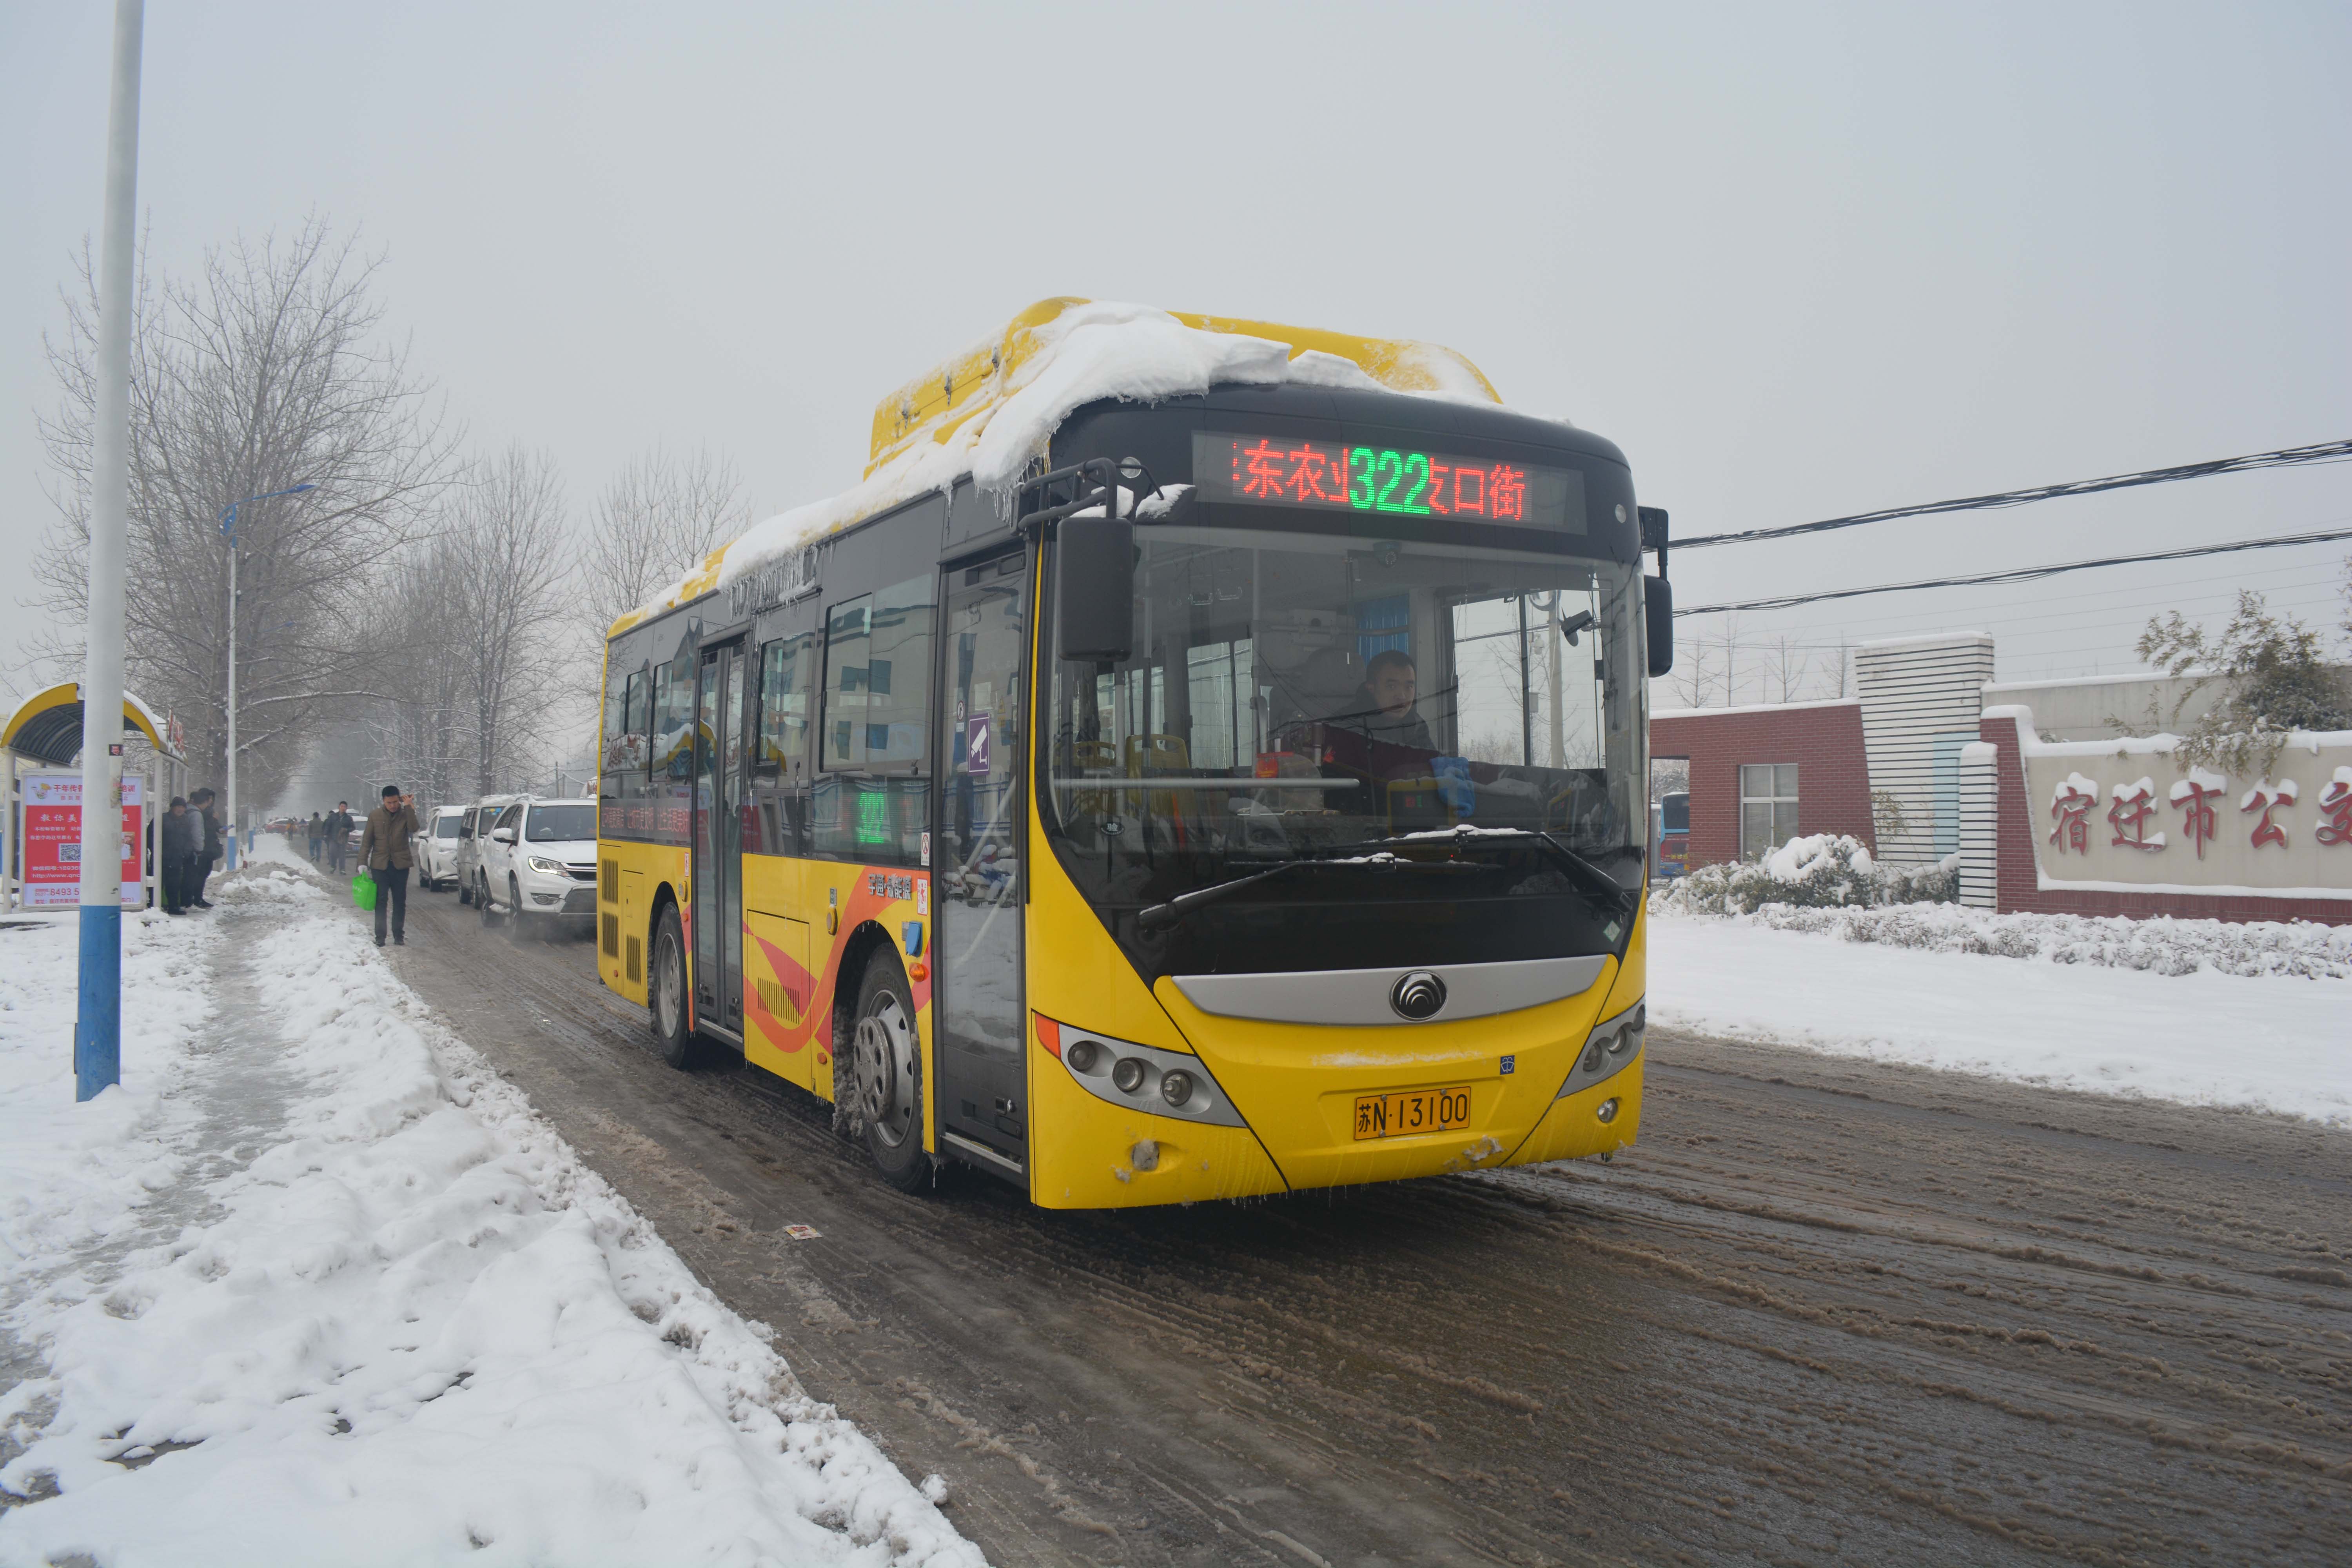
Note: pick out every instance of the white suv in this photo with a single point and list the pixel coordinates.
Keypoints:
(539, 862)
(435, 845)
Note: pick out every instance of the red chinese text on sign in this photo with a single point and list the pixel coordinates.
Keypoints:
(2196, 803)
(2335, 812)
(2266, 799)
(2129, 816)
(2070, 807)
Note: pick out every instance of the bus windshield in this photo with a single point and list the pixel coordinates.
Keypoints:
(1360, 704)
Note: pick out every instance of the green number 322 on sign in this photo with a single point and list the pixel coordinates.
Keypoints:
(1380, 479)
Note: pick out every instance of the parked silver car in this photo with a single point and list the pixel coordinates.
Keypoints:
(473, 832)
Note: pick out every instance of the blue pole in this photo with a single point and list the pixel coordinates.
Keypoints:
(98, 1023)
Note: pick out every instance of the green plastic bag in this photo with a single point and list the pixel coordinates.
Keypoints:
(363, 890)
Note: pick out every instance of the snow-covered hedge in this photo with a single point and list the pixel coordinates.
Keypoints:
(1825, 871)
(2162, 946)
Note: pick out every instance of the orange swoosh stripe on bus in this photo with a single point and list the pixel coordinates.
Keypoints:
(795, 984)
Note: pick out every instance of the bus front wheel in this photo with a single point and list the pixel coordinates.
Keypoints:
(666, 994)
(888, 1060)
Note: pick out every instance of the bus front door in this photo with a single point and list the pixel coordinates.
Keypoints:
(976, 865)
(719, 754)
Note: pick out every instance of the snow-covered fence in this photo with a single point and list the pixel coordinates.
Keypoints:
(1826, 870)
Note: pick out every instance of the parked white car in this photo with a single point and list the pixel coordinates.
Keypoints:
(434, 847)
(539, 866)
(473, 832)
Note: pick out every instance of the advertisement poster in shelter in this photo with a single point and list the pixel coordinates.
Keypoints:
(52, 840)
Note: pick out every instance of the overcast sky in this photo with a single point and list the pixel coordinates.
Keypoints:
(1796, 261)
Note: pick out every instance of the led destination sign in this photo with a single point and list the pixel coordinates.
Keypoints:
(1334, 476)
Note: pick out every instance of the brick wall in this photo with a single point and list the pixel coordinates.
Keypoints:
(1823, 739)
(2018, 886)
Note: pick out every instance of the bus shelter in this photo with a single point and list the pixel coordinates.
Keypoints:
(40, 850)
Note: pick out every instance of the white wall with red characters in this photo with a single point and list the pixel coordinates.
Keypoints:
(2126, 827)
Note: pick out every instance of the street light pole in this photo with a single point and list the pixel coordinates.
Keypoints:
(229, 527)
(98, 1022)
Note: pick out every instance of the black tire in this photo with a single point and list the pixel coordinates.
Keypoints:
(519, 925)
(482, 902)
(665, 992)
(887, 1074)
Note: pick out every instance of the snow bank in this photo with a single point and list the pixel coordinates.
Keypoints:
(1824, 868)
(2301, 949)
(1940, 986)
(413, 1328)
(71, 1176)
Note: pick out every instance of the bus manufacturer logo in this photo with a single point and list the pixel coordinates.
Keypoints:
(1418, 997)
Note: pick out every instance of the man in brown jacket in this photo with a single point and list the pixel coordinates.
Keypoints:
(384, 850)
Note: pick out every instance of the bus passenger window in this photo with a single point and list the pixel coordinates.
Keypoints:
(780, 766)
(878, 679)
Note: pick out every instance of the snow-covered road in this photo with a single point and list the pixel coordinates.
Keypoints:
(2271, 1042)
(319, 1285)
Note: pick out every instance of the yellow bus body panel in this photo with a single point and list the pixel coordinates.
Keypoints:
(1297, 1083)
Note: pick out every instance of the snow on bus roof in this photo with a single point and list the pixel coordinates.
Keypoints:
(1056, 358)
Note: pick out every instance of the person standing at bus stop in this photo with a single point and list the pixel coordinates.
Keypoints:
(175, 854)
(386, 851)
(209, 855)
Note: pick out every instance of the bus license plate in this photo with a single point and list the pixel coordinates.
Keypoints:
(1417, 1111)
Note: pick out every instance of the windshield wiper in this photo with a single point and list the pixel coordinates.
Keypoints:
(1159, 916)
(1623, 899)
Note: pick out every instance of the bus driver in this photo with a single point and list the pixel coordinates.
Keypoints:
(1382, 709)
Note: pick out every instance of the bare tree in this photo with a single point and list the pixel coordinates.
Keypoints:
(260, 373)
(1785, 667)
(470, 642)
(658, 518)
(1696, 672)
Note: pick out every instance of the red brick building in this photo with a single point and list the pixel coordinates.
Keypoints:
(1822, 741)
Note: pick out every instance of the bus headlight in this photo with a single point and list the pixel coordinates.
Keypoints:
(1612, 1045)
(1137, 1078)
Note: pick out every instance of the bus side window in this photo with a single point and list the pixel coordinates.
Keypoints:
(779, 767)
(875, 803)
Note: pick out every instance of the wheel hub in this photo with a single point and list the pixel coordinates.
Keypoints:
(886, 1070)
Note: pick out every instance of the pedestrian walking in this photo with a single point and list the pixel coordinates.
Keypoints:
(175, 855)
(209, 853)
(318, 829)
(386, 851)
(338, 836)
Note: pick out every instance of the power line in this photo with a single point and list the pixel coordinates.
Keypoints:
(2325, 452)
(2020, 574)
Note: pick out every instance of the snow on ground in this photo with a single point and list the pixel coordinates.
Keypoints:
(385, 1315)
(2040, 999)
(71, 1177)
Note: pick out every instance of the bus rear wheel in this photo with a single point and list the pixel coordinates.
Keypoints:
(666, 991)
(887, 1059)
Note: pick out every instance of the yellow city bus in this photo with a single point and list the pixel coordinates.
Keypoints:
(1249, 795)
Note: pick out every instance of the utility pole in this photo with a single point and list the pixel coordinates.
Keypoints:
(98, 1025)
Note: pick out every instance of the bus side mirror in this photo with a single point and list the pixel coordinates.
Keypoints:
(1095, 611)
(1658, 614)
